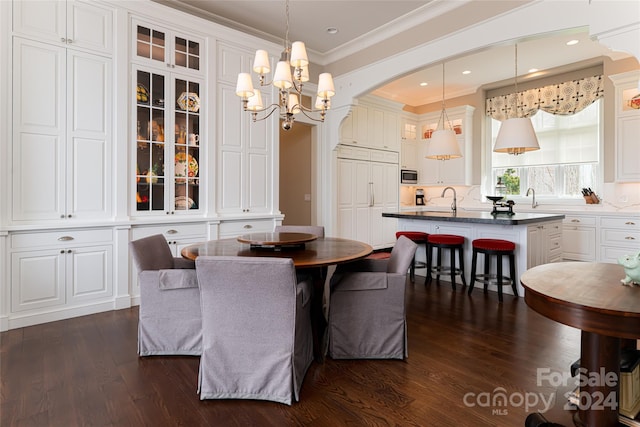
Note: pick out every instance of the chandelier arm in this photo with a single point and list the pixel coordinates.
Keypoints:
(273, 107)
(305, 113)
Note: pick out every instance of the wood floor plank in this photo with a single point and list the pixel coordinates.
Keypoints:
(85, 371)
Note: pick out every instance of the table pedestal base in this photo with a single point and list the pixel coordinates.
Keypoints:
(600, 369)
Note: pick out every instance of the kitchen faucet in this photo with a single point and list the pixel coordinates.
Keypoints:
(454, 207)
(533, 202)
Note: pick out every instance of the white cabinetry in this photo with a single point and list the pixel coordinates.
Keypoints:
(62, 133)
(245, 148)
(447, 172)
(373, 123)
(579, 238)
(235, 228)
(627, 126)
(619, 236)
(408, 144)
(367, 187)
(58, 271)
(544, 243)
(80, 24)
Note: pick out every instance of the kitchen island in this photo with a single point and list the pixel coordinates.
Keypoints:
(538, 237)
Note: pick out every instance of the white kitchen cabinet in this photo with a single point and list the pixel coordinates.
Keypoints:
(354, 128)
(156, 46)
(447, 172)
(62, 133)
(79, 24)
(579, 238)
(244, 171)
(245, 147)
(627, 126)
(367, 187)
(383, 129)
(544, 243)
(235, 228)
(408, 144)
(168, 143)
(619, 236)
(57, 271)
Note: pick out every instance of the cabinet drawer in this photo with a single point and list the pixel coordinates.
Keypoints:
(554, 230)
(171, 231)
(555, 246)
(237, 228)
(579, 220)
(60, 238)
(348, 152)
(614, 237)
(384, 156)
(627, 223)
(611, 254)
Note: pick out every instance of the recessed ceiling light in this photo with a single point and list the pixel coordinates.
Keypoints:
(424, 84)
(533, 70)
(572, 42)
(332, 30)
(465, 72)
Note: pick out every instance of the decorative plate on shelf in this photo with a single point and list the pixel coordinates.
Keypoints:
(142, 94)
(184, 202)
(186, 166)
(189, 101)
(635, 102)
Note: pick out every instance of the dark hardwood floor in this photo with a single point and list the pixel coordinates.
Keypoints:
(464, 354)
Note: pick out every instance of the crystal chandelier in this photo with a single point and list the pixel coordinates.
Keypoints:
(291, 72)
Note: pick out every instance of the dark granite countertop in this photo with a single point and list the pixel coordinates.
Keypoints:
(476, 217)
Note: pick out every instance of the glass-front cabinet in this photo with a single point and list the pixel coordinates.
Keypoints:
(168, 122)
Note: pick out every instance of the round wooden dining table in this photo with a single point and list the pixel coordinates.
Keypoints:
(310, 254)
(590, 297)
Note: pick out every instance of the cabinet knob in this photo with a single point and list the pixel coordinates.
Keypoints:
(69, 251)
(630, 238)
(629, 223)
(172, 231)
(69, 216)
(61, 251)
(65, 238)
(247, 226)
(69, 41)
(63, 40)
(575, 220)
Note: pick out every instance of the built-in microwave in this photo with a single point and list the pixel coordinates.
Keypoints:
(408, 176)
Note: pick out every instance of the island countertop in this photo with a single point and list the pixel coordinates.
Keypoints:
(476, 217)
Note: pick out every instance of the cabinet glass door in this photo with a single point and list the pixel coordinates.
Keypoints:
(187, 145)
(150, 152)
(150, 43)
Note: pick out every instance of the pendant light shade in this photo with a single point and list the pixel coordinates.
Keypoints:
(443, 144)
(516, 135)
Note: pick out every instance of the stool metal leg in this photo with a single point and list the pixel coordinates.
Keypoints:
(499, 257)
(474, 260)
(461, 258)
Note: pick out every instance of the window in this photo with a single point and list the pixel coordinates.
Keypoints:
(568, 159)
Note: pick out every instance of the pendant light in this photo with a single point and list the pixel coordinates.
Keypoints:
(443, 144)
(516, 135)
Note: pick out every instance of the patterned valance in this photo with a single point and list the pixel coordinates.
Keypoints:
(562, 99)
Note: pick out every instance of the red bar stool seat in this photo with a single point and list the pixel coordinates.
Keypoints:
(419, 238)
(453, 243)
(499, 248)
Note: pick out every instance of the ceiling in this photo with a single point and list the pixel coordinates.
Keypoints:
(310, 19)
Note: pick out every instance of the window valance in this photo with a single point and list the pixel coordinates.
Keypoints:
(562, 99)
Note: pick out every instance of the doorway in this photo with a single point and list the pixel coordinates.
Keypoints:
(296, 174)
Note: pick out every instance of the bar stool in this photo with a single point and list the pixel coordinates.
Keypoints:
(453, 243)
(499, 248)
(419, 238)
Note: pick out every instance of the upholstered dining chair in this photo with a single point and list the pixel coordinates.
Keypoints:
(317, 230)
(170, 320)
(367, 318)
(256, 326)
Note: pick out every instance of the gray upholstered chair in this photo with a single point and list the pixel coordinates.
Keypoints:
(256, 329)
(367, 318)
(170, 320)
(318, 230)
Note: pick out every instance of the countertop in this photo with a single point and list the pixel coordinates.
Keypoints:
(476, 217)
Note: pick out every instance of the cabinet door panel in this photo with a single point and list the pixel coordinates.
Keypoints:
(579, 243)
(89, 192)
(90, 27)
(43, 19)
(230, 118)
(259, 182)
(37, 280)
(90, 273)
(627, 168)
(231, 182)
